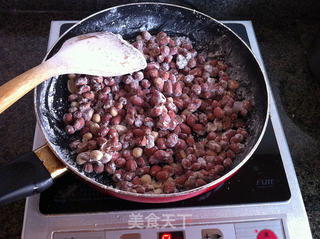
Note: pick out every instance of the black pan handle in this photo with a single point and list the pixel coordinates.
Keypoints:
(23, 177)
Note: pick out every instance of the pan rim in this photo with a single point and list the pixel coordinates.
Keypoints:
(182, 193)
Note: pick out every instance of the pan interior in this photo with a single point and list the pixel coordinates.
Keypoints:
(129, 20)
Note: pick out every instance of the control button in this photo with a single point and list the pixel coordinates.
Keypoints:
(79, 235)
(211, 234)
(131, 236)
(266, 234)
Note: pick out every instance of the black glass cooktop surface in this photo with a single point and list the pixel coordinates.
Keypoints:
(262, 179)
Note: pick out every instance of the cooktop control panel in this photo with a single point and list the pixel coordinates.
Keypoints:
(267, 229)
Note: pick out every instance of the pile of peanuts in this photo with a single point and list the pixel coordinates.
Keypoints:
(174, 126)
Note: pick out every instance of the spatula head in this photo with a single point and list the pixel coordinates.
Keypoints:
(100, 53)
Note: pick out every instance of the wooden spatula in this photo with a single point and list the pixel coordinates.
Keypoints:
(98, 53)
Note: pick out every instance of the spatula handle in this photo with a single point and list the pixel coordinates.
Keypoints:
(16, 88)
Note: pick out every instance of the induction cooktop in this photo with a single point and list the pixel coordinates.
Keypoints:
(262, 199)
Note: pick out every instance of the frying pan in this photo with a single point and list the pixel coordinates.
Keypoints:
(28, 175)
